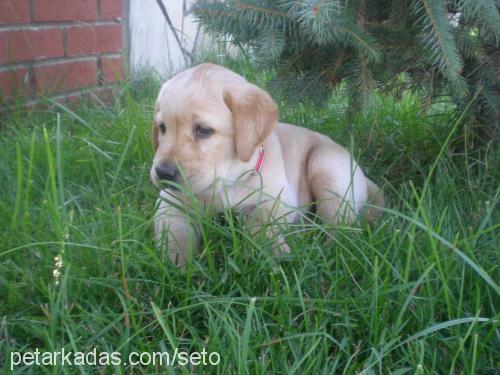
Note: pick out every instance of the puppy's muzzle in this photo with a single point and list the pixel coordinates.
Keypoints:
(167, 171)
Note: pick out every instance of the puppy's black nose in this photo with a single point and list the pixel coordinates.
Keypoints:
(166, 171)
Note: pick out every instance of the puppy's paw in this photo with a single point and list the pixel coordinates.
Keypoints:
(178, 258)
(285, 248)
(281, 247)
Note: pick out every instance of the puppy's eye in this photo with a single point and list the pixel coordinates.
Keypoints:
(162, 127)
(203, 132)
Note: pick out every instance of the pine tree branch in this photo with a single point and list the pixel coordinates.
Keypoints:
(269, 11)
(374, 54)
(316, 44)
(441, 41)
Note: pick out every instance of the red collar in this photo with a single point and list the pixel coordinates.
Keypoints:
(260, 160)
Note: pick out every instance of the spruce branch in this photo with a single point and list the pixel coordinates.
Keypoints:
(439, 39)
(445, 47)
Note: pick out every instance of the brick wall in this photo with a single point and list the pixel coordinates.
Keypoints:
(59, 47)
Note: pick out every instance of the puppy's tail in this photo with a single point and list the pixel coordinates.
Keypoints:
(375, 198)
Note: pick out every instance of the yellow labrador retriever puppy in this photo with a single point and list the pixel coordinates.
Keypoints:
(219, 135)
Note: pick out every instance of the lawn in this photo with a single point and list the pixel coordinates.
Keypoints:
(415, 292)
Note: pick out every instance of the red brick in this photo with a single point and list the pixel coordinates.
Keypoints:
(93, 39)
(111, 69)
(110, 9)
(14, 11)
(30, 44)
(64, 10)
(66, 76)
(13, 82)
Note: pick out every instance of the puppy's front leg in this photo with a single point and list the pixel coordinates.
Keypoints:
(271, 217)
(173, 229)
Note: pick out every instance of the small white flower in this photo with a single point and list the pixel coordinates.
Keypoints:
(58, 265)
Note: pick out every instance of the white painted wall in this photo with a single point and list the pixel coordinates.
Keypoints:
(152, 43)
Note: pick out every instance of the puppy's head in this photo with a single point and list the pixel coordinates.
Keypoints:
(207, 126)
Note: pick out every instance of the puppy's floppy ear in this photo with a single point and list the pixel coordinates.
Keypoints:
(154, 131)
(154, 136)
(254, 117)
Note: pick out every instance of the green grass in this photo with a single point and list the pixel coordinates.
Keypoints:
(416, 292)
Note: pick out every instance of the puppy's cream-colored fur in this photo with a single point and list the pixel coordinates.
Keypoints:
(300, 166)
